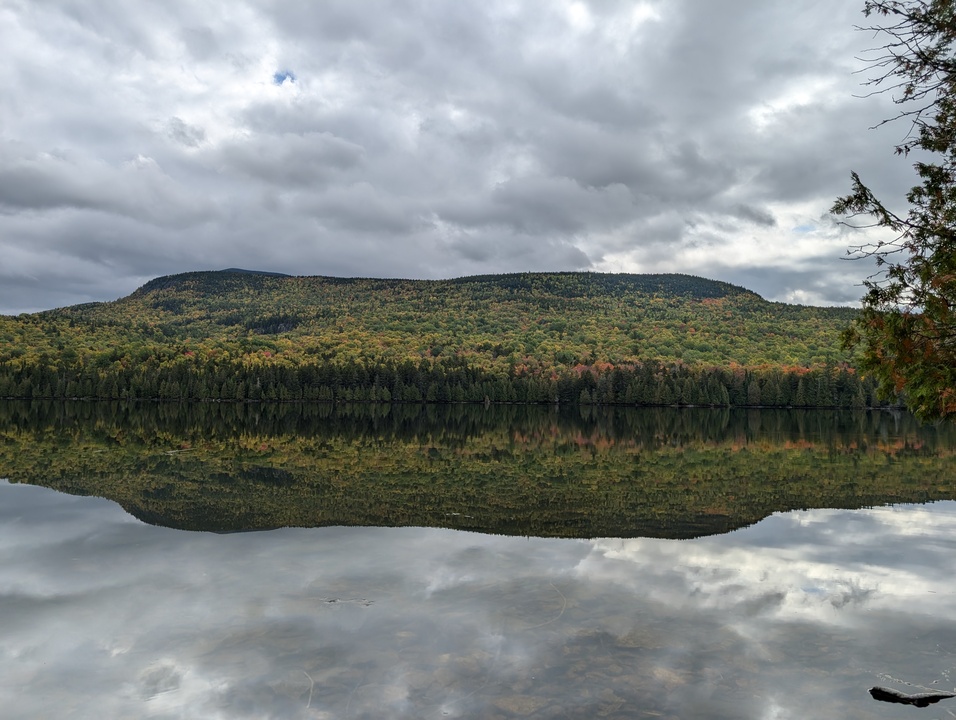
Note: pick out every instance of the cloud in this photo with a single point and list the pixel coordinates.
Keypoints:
(138, 188)
(755, 215)
(183, 133)
(291, 160)
(596, 131)
(200, 42)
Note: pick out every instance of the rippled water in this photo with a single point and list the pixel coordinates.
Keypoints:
(797, 616)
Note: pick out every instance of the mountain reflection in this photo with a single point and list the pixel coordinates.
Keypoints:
(517, 470)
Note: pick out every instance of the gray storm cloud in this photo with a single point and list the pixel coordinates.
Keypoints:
(472, 137)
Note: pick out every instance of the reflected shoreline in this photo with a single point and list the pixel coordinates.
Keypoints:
(542, 471)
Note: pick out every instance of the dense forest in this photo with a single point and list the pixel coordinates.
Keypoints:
(521, 470)
(569, 338)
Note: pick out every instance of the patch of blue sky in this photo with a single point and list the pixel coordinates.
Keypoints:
(804, 228)
(282, 76)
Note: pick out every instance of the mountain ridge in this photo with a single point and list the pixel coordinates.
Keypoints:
(238, 335)
(668, 283)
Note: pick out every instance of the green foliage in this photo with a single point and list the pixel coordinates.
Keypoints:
(907, 330)
(533, 337)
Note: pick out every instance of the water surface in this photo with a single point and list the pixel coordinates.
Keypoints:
(598, 472)
(795, 617)
(793, 614)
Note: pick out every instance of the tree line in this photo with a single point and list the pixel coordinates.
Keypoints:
(440, 380)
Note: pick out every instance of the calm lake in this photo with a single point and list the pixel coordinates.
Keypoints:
(232, 561)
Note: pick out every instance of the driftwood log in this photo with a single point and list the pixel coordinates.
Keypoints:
(918, 699)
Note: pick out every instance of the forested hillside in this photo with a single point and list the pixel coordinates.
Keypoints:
(534, 337)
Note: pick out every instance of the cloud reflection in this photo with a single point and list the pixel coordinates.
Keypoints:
(102, 615)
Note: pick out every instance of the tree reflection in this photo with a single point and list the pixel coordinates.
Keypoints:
(522, 470)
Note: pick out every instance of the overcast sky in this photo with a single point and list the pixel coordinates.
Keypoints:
(404, 138)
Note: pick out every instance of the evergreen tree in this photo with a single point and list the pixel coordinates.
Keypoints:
(907, 330)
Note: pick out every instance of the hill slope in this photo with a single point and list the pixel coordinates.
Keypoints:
(532, 325)
(552, 318)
